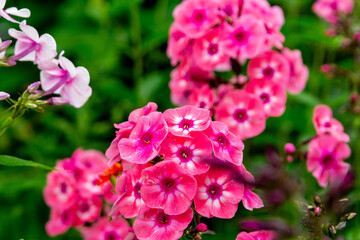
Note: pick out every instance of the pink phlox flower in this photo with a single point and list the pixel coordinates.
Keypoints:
(189, 153)
(325, 123)
(330, 10)
(271, 66)
(225, 144)
(156, 224)
(196, 17)
(273, 95)
(71, 83)
(87, 210)
(272, 18)
(245, 38)
(178, 41)
(209, 50)
(103, 229)
(203, 97)
(3, 46)
(145, 139)
(60, 221)
(325, 159)
(90, 161)
(60, 189)
(30, 47)
(243, 113)
(129, 202)
(185, 120)
(169, 187)
(299, 73)
(257, 235)
(218, 193)
(229, 9)
(250, 199)
(124, 131)
(181, 88)
(5, 13)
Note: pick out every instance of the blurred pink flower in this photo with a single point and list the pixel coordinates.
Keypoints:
(325, 123)
(245, 38)
(196, 17)
(273, 95)
(299, 73)
(103, 229)
(330, 10)
(258, 235)
(243, 113)
(270, 66)
(325, 159)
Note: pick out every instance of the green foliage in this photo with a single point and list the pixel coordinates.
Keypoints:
(10, 161)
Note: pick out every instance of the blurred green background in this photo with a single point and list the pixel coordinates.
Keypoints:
(122, 43)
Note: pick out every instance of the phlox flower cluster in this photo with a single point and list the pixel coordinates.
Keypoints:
(70, 84)
(211, 41)
(328, 149)
(75, 198)
(332, 10)
(173, 161)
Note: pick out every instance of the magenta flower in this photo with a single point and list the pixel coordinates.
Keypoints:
(87, 210)
(169, 187)
(299, 73)
(196, 17)
(325, 123)
(103, 229)
(229, 8)
(209, 50)
(155, 225)
(203, 97)
(225, 144)
(331, 9)
(182, 121)
(258, 235)
(245, 39)
(145, 139)
(30, 47)
(178, 41)
(218, 193)
(70, 82)
(243, 113)
(129, 202)
(189, 153)
(325, 159)
(271, 66)
(273, 96)
(59, 191)
(24, 12)
(60, 221)
(124, 130)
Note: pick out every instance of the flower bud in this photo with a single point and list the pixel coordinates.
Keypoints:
(351, 216)
(202, 227)
(33, 87)
(289, 148)
(332, 229)
(317, 210)
(4, 95)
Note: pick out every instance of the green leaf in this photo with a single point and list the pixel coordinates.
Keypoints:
(10, 161)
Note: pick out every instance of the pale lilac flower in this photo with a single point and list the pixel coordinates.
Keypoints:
(4, 95)
(5, 13)
(71, 83)
(30, 47)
